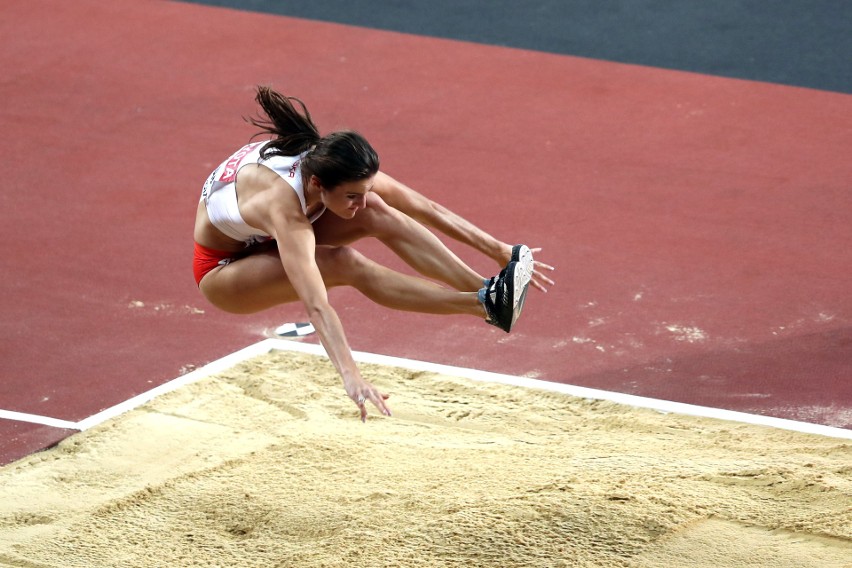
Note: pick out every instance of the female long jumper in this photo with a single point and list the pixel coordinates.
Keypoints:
(275, 219)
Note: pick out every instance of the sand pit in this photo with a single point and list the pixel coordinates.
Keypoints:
(266, 465)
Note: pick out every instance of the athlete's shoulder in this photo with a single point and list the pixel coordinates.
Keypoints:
(288, 167)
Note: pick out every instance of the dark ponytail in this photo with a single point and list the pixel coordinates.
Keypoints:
(337, 158)
(293, 131)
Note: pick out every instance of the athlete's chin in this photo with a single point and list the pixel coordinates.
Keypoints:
(346, 213)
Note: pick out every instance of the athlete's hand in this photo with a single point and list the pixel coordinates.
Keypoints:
(360, 391)
(539, 280)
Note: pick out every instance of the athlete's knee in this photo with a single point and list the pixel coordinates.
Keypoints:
(340, 266)
(345, 256)
(378, 217)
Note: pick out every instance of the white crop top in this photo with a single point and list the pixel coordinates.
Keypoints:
(220, 191)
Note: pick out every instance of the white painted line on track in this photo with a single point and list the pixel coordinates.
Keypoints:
(216, 366)
(268, 345)
(212, 368)
(36, 419)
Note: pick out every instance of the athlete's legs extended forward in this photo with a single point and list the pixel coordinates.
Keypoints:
(258, 282)
(410, 240)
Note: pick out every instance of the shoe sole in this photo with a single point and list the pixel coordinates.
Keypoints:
(520, 283)
(524, 257)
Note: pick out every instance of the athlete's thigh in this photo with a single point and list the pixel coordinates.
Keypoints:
(249, 284)
(259, 281)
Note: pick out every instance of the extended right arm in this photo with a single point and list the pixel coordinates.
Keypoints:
(274, 207)
(297, 248)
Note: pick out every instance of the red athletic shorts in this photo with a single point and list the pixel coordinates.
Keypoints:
(206, 259)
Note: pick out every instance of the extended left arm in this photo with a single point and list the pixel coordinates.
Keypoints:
(438, 217)
(431, 214)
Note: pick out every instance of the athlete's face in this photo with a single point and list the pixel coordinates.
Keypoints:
(348, 198)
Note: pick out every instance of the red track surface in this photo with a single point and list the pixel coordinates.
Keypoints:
(700, 226)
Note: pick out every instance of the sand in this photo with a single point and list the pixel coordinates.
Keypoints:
(266, 465)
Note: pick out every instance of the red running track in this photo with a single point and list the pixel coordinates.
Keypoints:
(699, 225)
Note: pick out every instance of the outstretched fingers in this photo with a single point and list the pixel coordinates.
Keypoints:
(362, 395)
(539, 280)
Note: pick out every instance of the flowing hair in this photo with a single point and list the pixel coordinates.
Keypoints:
(336, 158)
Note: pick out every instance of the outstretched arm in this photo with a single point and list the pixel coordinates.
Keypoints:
(297, 244)
(438, 217)
(272, 206)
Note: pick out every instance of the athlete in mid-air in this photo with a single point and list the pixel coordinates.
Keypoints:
(274, 220)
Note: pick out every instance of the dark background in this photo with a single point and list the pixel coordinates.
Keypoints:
(801, 43)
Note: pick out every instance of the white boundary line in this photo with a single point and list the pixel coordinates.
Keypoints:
(268, 345)
(36, 419)
(210, 369)
(216, 366)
